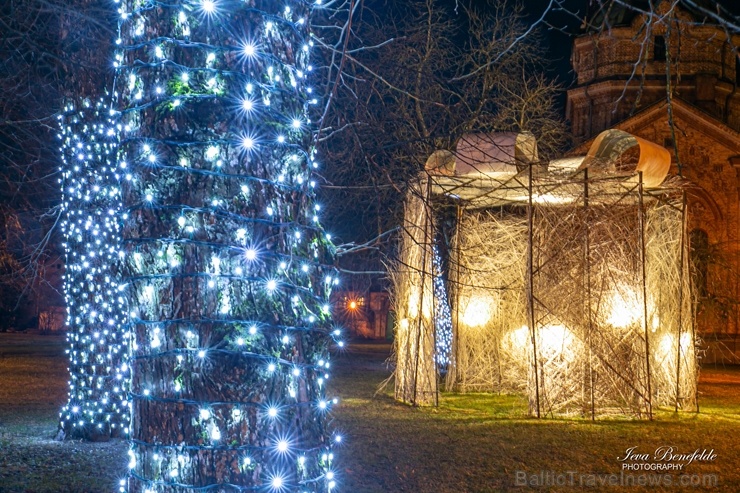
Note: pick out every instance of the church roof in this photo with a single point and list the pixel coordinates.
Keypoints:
(700, 120)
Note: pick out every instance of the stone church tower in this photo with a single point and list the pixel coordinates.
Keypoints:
(675, 80)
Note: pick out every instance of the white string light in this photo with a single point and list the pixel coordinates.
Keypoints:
(442, 314)
(223, 248)
(91, 201)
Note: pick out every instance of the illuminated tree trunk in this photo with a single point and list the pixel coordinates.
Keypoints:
(97, 407)
(227, 269)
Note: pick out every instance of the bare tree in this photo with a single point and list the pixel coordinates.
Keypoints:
(413, 80)
(51, 49)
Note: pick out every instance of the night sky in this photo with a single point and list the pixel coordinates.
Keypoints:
(559, 26)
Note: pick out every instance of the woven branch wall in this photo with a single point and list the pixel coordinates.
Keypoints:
(416, 373)
(607, 326)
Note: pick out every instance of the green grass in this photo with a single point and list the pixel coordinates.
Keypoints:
(470, 443)
(477, 442)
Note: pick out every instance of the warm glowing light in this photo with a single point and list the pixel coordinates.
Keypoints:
(352, 305)
(625, 307)
(552, 340)
(519, 338)
(556, 339)
(667, 345)
(545, 198)
(478, 311)
(415, 301)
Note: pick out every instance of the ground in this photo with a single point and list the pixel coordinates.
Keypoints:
(33, 387)
(471, 443)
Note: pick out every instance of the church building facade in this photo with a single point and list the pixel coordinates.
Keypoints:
(675, 80)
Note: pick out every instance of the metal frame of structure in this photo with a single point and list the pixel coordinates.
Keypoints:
(571, 288)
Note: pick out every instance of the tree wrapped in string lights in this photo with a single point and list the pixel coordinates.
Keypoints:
(227, 270)
(91, 200)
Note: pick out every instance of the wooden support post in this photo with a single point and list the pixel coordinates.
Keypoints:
(456, 325)
(587, 266)
(641, 220)
(427, 220)
(680, 298)
(530, 290)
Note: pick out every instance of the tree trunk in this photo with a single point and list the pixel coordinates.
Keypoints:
(97, 408)
(226, 263)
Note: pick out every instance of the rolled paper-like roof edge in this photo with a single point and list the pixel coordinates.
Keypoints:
(610, 146)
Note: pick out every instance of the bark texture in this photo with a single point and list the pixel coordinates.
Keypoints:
(226, 263)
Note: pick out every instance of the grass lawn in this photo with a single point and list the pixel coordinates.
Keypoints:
(33, 387)
(478, 442)
(471, 443)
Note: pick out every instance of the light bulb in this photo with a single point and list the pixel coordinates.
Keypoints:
(209, 6)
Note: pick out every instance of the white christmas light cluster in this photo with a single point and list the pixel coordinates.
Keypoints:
(442, 315)
(227, 269)
(91, 202)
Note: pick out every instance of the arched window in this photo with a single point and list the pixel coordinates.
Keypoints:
(699, 243)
